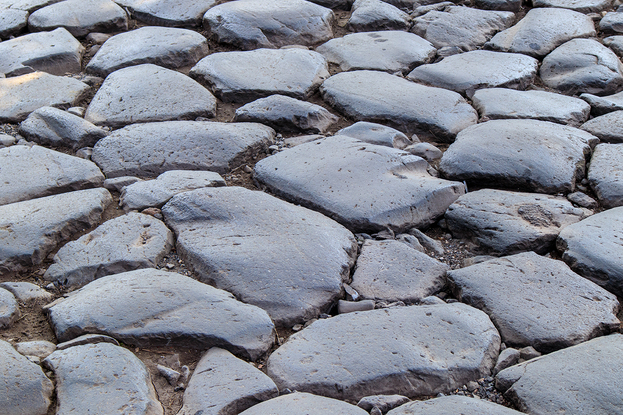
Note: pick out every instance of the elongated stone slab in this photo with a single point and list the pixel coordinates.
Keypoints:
(179, 13)
(305, 403)
(9, 309)
(605, 174)
(453, 404)
(608, 127)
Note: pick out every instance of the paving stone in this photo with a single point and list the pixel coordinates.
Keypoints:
(615, 43)
(611, 23)
(451, 405)
(9, 309)
(305, 403)
(542, 30)
(163, 46)
(370, 15)
(246, 76)
(412, 108)
(479, 69)
(605, 174)
(607, 127)
(291, 248)
(582, 199)
(30, 230)
(383, 402)
(146, 93)
(502, 103)
(154, 148)
(551, 384)
(80, 17)
(376, 134)
(118, 183)
(390, 51)
(56, 52)
(150, 307)
(604, 104)
(38, 348)
(102, 378)
(519, 154)
(507, 358)
(12, 22)
(503, 5)
(24, 388)
(30, 172)
(511, 222)
(87, 339)
(223, 384)
(27, 5)
(582, 65)
(287, 114)
(27, 292)
(413, 351)
(582, 6)
(185, 13)
(252, 24)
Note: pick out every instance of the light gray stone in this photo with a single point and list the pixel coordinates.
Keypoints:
(383, 402)
(12, 21)
(369, 15)
(582, 6)
(7, 140)
(27, 292)
(304, 403)
(605, 174)
(38, 348)
(427, 151)
(376, 134)
(87, 339)
(607, 127)
(353, 306)
(615, 43)
(9, 310)
(118, 183)
(507, 358)
(582, 199)
(453, 405)
(611, 23)
(186, 13)
(27, 5)
(605, 104)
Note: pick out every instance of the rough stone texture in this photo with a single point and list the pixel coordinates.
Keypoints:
(511, 222)
(479, 69)
(611, 23)
(607, 127)
(383, 402)
(27, 292)
(427, 151)
(87, 339)
(380, 97)
(225, 385)
(519, 154)
(154, 148)
(38, 348)
(26, 5)
(376, 134)
(605, 174)
(453, 405)
(369, 15)
(256, 246)
(30, 172)
(582, 6)
(168, 12)
(615, 43)
(412, 351)
(542, 30)
(507, 358)
(304, 403)
(30, 230)
(150, 307)
(9, 310)
(363, 186)
(605, 104)
(102, 379)
(252, 24)
(246, 76)
(504, 5)
(12, 22)
(146, 93)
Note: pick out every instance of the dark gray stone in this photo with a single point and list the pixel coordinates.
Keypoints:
(168, 12)
(118, 183)
(582, 199)
(304, 403)
(507, 358)
(376, 134)
(605, 104)
(607, 127)
(615, 43)
(12, 21)
(453, 405)
(87, 339)
(582, 6)
(27, 292)
(504, 5)
(605, 174)
(611, 23)
(9, 310)
(369, 15)
(383, 402)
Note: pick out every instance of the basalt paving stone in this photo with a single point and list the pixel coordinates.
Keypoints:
(26, 5)
(611, 23)
(605, 174)
(615, 43)
(186, 13)
(9, 309)
(582, 6)
(369, 15)
(604, 104)
(376, 134)
(12, 22)
(304, 403)
(607, 127)
(27, 292)
(504, 5)
(453, 405)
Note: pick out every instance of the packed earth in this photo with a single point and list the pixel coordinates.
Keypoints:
(276, 207)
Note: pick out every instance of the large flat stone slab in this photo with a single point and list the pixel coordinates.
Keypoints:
(605, 174)
(305, 403)
(604, 104)
(185, 13)
(453, 405)
(258, 247)
(608, 127)
(12, 21)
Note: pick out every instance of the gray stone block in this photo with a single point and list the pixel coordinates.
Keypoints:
(185, 13)
(605, 174)
(376, 134)
(304, 403)
(608, 127)
(453, 405)
(9, 309)
(369, 15)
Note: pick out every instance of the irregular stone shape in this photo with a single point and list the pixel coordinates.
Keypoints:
(118, 183)
(390, 51)
(252, 24)
(413, 351)
(163, 46)
(393, 271)
(150, 307)
(80, 17)
(507, 358)
(551, 384)
(24, 94)
(363, 186)
(605, 174)
(223, 384)
(24, 388)
(122, 244)
(537, 301)
(594, 247)
(376, 134)
(382, 402)
(604, 105)
(222, 231)
(453, 405)
(582, 6)
(511, 222)
(504, 5)
(380, 97)
(30, 230)
(463, 27)
(582, 65)
(369, 15)
(102, 378)
(27, 292)
(304, 403)
(611, 23)
(542, 30)
(519, 154)
(146, 93)
(27, 5)
(9, 310)
(58, 128)
(155, 193)
(582, 199)
(427, 151)
(154, 148)
(38, 348)
(287, 114)
(12, 22)
(87, 339)
(246, 76)
(56, 52)
(607, 127)
(168, 12)
(615, 43)
(479, 69)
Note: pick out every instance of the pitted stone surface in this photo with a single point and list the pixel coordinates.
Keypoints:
(369, 15)
(304, 403)
(453, 405)
(582, 6)
(611, 23)
(608, 127)
(27, 292)
(27, 5)
(376, 134)
(615, 43)
(9, 310)
(605, 174)
(186, 13)
(604, 104)
(12, 21)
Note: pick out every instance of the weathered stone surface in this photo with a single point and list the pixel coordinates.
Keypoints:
(376, 134)
(511, 222)
(9, 310)
(146, 93)
(390, 51)
(246, 76)
(607, 127)
(27, 5)
(507, 358)
(27, 292)
(252, 24)
(168, 12)
(87, 339)
(479, 69)
(304, 403)
(29, 172)
(30, 230)
(154, 307)
(453, 405)
(605, 104)
(80, 17)
(154, 148)
(163, 46)
(102, 378)
(519, 154)
(504, 5)
(38, 348)
(413, 351)
(615, 43)
(380, 97)
(611, 23)
(550, 384)
(605, 174)
(363, 186)
(369, 15)
(24, 389)
(56, 52)
(12, 22)
(256, 246)
(542, 30)
(427, 151)
(223, 384)
(501, 103)
(582, 6)
(383, 402)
